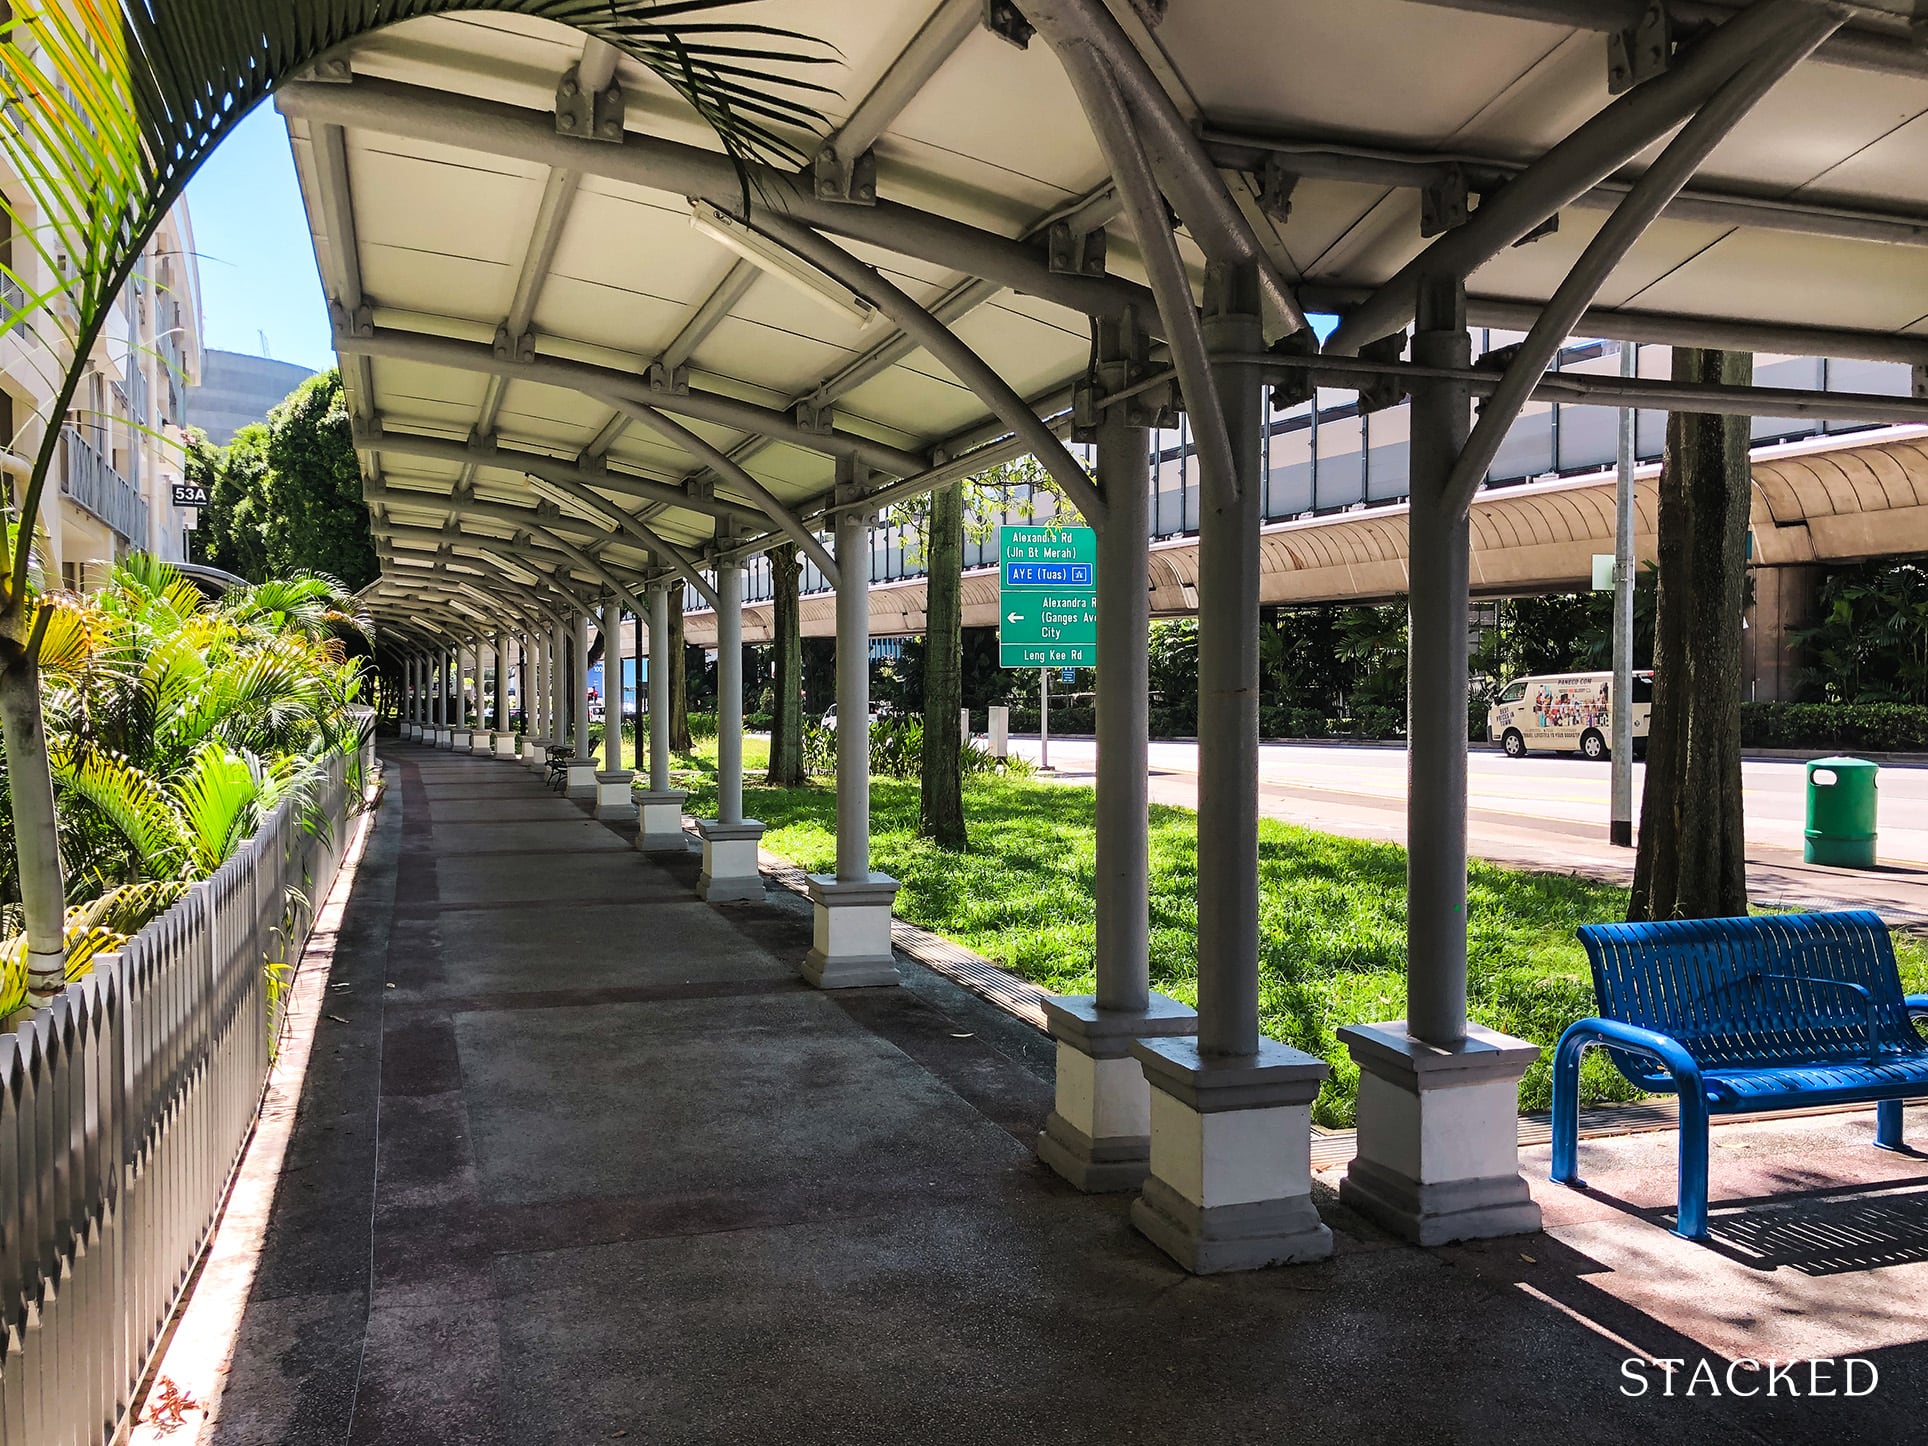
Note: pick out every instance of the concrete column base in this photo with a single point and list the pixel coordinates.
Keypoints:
(850, 935)
(729, 861)
(459, 740)
(506, 746)
(660, 820)
(1099, 1135)
(442, 737)
(411, 732)
(535, 753)
(1230, 1186)
(581, 780)
(1439, 1151)
(613, 801)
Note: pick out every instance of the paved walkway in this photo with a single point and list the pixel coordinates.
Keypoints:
(579, 1159)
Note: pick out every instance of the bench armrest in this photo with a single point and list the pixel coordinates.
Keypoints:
(1867, 1003)
(1662, 1049)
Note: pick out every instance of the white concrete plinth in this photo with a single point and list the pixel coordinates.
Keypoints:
(506, 745)
(411, 731)
(729, 873)
(1098, 1135)
(535, 753)
(613, 801)
(581, 780)
(850, 938)
(459, 740)
(1230, 1185)
(1439, 1156)
(442, 737)
(660, 822)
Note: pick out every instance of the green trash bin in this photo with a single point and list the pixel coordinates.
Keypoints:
(1841, 806)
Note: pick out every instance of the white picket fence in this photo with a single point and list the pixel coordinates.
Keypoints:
(123, 1109)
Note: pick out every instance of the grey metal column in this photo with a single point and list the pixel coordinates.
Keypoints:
(501, 719)
(1228, 685)
(1437, 674)
(1620, 827)
(729, 693)
(1121, 887)
(612, 631)
(559, 686)
(853, 697)
(579, 689)
(659, 688)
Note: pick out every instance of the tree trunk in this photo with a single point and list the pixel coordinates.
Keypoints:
(941, 813)
(36, 830)
(1691, 862)
(786, 727)
(679, 696)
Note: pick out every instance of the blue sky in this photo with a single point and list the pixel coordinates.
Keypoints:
(257, 265)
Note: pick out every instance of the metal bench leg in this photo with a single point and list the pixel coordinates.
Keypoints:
(1691, 1219)
(1566, 1114)
(1887, 1126)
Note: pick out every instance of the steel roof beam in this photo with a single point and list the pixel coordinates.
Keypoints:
(936, 40)
(1332, 159)
(1664, 329)
(371, 436)
(710, 314)
(727, 468)
(336, 206)
(1177, 157)
(605, 382)
(1673, 169)
(1612, 138)
(1864, 44)
(949, 349)
(682, 170)
(533, 521)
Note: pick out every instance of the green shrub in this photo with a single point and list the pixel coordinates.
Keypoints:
(1877, 727)
(702, 725)
(896, 750)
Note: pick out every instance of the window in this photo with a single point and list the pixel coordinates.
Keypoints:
(1643, 687)
(1513, 693)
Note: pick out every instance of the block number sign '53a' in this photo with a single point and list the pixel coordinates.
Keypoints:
(1047, 597)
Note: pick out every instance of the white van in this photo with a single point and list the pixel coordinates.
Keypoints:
(1565, 713)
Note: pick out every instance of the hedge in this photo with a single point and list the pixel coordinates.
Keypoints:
(1876, 727)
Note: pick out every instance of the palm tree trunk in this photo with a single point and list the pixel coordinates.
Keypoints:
(1691, 862)
(43, 889)
(679, 693)
(941, 815)
(786, 728)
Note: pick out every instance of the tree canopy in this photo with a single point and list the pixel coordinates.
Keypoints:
(286, 494)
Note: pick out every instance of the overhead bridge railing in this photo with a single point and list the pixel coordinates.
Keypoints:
(124, 1107)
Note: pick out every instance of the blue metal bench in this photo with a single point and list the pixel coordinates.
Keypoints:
(1735, 1016)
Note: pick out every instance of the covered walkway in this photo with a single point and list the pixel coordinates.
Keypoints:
(631, 1178)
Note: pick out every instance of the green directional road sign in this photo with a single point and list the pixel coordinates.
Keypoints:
(1047, 597)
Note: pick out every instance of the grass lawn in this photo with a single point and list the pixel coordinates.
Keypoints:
(1332, 913)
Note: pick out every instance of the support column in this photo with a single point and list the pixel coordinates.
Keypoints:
(660, 824)
(462, 733)
(613, 803)
(445, 698)
(1438, 1096)
(581, 782)
(406, 721)
(850, 946)
(1230, 1183)
(535, 731)
(505, 744)
(729, 840)
(1098, 1135)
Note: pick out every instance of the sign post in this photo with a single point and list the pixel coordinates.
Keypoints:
(1047, 607)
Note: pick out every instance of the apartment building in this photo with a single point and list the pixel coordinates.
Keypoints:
(121, 452)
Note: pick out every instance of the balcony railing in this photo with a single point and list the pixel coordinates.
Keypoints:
(13, 301)
(89, 481)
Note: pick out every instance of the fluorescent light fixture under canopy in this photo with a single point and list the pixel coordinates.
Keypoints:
(778, 261)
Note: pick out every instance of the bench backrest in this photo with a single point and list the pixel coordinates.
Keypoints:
(1753, 991)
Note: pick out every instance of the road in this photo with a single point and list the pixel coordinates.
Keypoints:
(1550, 811)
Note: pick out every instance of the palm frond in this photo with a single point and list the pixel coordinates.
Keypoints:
(133, 803)
(115, 104)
